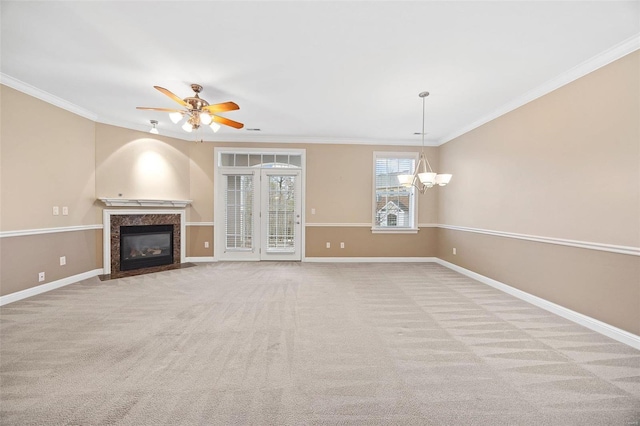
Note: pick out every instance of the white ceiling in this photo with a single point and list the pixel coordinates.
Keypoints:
(311, 71)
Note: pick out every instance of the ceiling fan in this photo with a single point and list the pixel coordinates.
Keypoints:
(197, 111)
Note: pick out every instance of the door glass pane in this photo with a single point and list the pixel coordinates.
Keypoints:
(239, 212)
(281, 213)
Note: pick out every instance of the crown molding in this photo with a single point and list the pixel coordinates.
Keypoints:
(604, 58)
(30, 90)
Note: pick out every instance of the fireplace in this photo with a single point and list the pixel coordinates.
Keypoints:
(142, 240)
(145, 246)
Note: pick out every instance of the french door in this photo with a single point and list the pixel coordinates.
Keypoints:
(261, 214)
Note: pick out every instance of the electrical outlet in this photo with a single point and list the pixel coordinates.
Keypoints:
(341, 245)
(63, 260)
(56, 210)
(328, 244)
(206, 244)
(313, 211)
(65, 211)
(41, 277)
(455, 251)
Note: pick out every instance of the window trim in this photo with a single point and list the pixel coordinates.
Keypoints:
(414, 201)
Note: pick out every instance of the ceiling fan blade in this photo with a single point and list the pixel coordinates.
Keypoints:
(171, 95)
(160, 109)
(225, 106)
(227, 122)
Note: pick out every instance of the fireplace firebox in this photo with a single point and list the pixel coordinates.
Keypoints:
(144, 246)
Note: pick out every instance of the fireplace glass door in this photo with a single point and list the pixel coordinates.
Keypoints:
(145, 246)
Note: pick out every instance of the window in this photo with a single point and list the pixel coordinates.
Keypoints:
(394, 206)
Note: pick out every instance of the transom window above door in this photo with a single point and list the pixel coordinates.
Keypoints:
(259, 160)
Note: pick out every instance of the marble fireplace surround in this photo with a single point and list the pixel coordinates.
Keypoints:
(114, 218)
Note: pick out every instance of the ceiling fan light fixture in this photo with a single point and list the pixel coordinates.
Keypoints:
(197, 111)
(205, 118)
(175, 117)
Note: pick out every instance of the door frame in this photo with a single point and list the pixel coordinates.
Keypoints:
(218, 194)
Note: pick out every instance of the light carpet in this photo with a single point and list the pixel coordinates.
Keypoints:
(305, 344)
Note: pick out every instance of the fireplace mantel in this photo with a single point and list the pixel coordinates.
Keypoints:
(137, 202)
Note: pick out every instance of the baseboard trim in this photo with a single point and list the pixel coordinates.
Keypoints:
(23, 294)
(581, 319)
(201, 259)
(369, 259)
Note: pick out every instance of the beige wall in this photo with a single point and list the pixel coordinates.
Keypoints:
(360, 242)
(22, 258)
(41, 166)
(44, 165)
(566, 165)
(140, 165)
(602, 285)
(196, 237)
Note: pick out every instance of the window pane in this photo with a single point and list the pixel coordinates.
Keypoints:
(393, 203)
(255, 160)
(226, 160)
(282, 159)
(268, 158)
(242, 160)
(239, 212)
(295, 160)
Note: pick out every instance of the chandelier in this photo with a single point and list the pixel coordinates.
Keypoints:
(424, 177)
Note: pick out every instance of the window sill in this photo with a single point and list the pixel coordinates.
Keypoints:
(394, 230)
